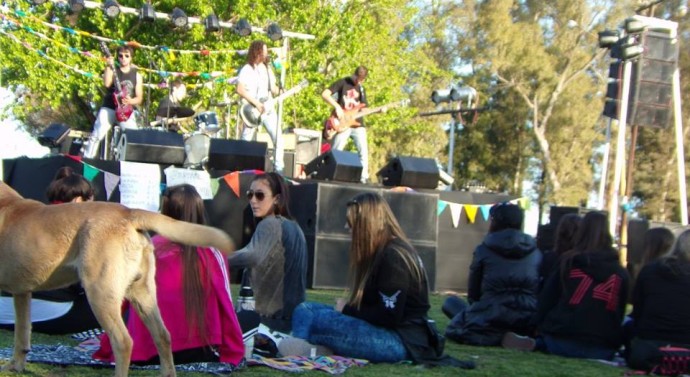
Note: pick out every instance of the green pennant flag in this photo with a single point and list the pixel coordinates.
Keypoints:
(90, 172)
(214, 186)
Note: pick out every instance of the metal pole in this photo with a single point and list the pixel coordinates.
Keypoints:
(680, 150)
(620, 149)
(604, 167)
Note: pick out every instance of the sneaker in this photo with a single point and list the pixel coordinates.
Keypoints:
(517, 342)
(300, 347)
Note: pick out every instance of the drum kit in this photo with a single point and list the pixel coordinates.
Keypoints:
(197, 130)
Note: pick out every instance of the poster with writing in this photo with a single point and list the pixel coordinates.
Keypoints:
(197, 178)
(140, 185)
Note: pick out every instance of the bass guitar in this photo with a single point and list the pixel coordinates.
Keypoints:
(333, 125)
(251, 115)
(122, 111)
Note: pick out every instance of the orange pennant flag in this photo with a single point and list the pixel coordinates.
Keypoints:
(233, 181)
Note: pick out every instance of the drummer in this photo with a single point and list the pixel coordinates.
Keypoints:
(170, 108)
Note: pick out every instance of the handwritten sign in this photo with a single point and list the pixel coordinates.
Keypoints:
(197, 178)
(140, 185)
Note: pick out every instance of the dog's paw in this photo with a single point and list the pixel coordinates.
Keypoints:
(13, 366)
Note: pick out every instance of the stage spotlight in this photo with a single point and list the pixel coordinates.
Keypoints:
(608, 38)
(147, 14)
(243, 28)
(445, 95)
(179, 18)
(211, 23)
(76, 6)
(111, 8)
(274, 32)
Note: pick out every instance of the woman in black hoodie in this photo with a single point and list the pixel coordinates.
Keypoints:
(503, 283)
(582, 304)
(661, 306)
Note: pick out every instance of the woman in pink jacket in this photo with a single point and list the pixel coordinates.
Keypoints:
(193, 290)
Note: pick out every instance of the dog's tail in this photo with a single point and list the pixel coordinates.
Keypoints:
(181, 231)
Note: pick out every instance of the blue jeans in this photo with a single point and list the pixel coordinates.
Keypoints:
(270, 123)
(345, 335)
(359, 138)
(572, 348)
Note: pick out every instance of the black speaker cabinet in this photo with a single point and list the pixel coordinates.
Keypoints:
(413, 172)
(233, 155)
(53, 135)
(320, 207)
(335, 165)
(151, 146)
(651, 90)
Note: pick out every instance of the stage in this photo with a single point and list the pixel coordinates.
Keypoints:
(444, 226)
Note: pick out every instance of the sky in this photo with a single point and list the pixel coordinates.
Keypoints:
(15, 142)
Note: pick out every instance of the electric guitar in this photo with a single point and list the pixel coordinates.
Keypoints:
(333, 125)
(122, 111)
(251, 115)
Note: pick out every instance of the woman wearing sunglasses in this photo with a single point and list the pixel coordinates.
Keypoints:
(276, 253)
(384, 319)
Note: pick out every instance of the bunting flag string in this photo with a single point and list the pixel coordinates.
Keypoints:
(219, 76)
(92, 75)
(471, 210)
(135, 44)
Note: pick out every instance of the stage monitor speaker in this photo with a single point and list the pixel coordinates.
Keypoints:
(233, 155)
(151, 146)
(54, 135)
(335, 165)
(413, 172)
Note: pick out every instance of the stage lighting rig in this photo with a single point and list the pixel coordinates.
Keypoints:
(179, 18)
(76, 6)
(111, 8)
(243, 28)
(147, 13)
(274, 32)
(211, 23)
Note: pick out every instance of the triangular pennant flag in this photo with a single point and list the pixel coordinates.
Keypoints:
(485, 209)
(90, 172)
(441, 206)
(514, 202)
(233, 181)
(110, 181)
(75, 158)
(524, 203)
(455, 210)
(471, 212)
(214, 186)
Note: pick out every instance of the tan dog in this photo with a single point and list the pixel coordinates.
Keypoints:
(105, 245)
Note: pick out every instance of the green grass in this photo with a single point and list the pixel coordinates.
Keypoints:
(491, 361)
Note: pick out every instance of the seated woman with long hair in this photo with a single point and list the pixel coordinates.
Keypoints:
(384, 319)
(581, 307)
(661, 306)
(193, 292)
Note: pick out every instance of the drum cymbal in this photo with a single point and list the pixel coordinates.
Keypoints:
(175, 112)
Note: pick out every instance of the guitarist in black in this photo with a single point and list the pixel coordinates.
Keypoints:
(131, 84)
(347, 94)
(256, 83)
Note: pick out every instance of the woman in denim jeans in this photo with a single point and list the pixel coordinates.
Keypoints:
(388, 297)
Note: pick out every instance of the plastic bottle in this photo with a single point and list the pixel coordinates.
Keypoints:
(245, 301)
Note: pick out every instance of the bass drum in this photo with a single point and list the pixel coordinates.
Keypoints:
(196, 150)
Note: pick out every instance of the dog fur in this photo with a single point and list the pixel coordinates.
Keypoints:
(103, 245)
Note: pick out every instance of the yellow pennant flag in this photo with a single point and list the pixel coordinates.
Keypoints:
(471, 211)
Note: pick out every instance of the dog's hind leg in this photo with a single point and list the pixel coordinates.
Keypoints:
(142, 296)
(22, 332)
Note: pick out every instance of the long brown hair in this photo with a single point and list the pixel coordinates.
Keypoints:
(183, 202)
(255, 51)
(373, 227)
(593, 236)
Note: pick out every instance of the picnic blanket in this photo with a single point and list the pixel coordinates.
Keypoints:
(65, 355)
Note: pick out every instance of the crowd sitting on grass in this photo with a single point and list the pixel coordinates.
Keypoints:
(570, 301)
